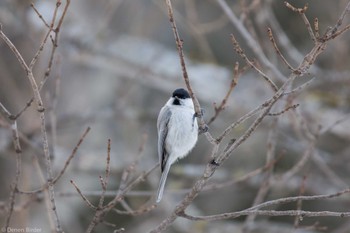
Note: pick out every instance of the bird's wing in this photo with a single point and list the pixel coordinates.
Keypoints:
(162, 125)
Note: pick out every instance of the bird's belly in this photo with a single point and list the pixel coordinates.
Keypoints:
(183, 137)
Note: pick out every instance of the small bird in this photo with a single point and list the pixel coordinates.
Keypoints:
(177, 132)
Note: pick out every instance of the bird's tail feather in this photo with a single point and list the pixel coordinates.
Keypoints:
(162, 181)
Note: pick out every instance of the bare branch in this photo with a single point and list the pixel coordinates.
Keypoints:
(251, 42)
(341, 18)
(284, 110)
(301, 213)
(256, 209)
(64, 167)
(241, 53)
(272, 39)
(39, 15)
(14, 50)
(302, 11)
(18, 150)
(222, 105)
(82, 196)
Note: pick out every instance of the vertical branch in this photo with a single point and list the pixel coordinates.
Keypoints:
(298, 218)
(104, 181)
(18, 150)
(179, 45)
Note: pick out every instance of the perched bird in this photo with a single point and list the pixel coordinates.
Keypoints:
(177, 132)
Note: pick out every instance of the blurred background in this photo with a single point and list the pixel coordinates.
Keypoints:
(116, 65)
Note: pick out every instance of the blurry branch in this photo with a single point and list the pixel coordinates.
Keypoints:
(46, 196)
(40, 16)
(102, 210)
(196, 28)
(100, 213)
(237, 214)
(241, 53)
(251, 42)
(40, 106)
(300, 203)
(299, 88)
(52, 109)
(256, 209)
(330, 174)
(267, 181)
(335, 31)
(104, 181)
(54, 41)
(18, 150)
(325, 130)
(83, 196)
(272, 39)
(284, 110)
(54, 181)
(221, 107)
(129, 170)
(302, 11)
(209, 187)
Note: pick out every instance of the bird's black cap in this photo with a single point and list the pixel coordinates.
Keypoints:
(181, 93)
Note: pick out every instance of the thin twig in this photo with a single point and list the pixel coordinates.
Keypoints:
(39, 15)
(338, 33)
(300, 164)
(302, 11)
(251, 42)
(256, 209)
(52, 113)
(341, 18)
(41, 47)
(240, 121)
(83, 196)
(273, 41)
(222, 105)
(284, 110)
(18, 150)
(299, 88)
(275, 213)
(300, 203)
(54, 181)
(100, 213)
(14, 50)
(104, 181)
(241, 53)
(129, 170)
(266, 183)
(53, 50)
